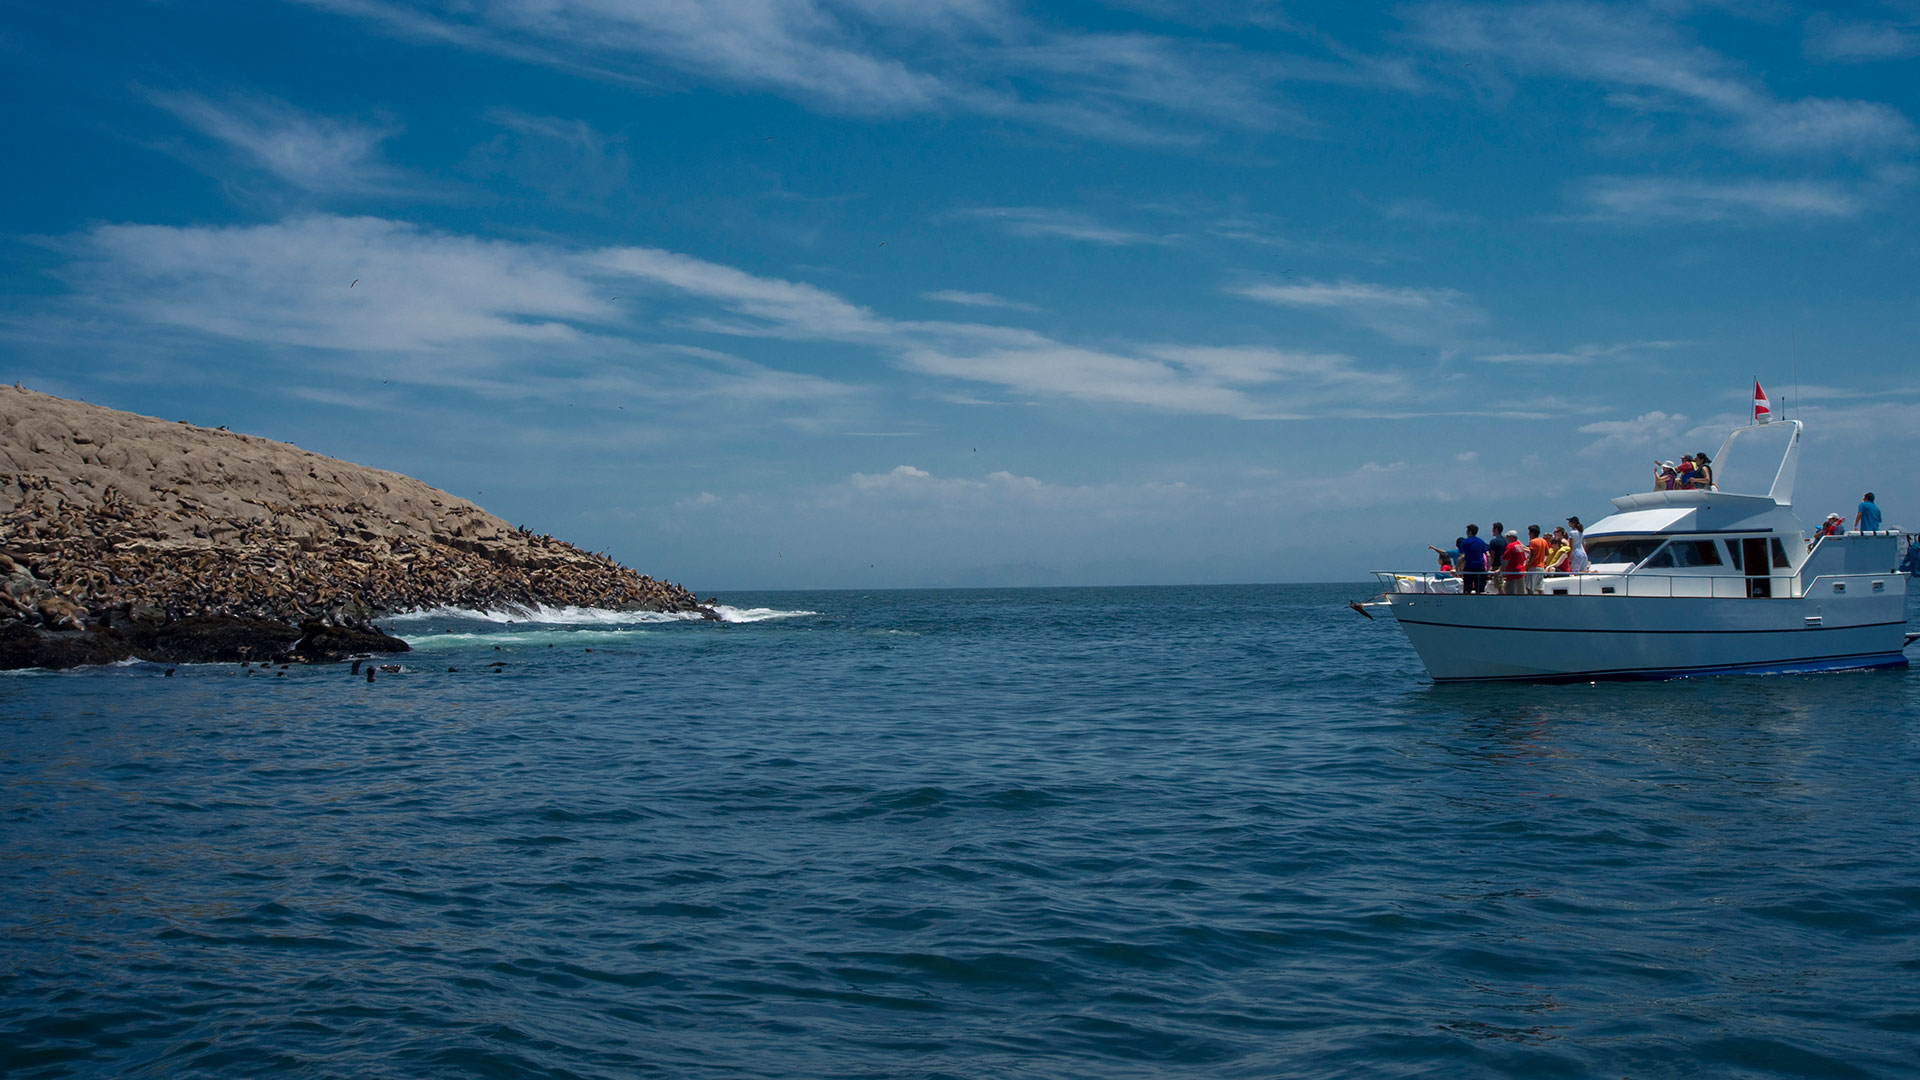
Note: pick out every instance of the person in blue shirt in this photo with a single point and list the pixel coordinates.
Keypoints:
(1473, 562)
(1867, 519)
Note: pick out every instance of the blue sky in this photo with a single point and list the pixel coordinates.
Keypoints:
(803, 293)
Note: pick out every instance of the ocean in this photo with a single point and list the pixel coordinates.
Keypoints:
(1102, 832)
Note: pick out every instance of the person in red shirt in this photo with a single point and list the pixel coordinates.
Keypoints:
(1514, 564)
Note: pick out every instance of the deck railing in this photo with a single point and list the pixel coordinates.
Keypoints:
(1655, 584)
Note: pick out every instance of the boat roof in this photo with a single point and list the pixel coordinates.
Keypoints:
(1653, 512)
(1661, 519)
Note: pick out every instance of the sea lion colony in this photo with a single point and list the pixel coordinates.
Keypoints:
(110, 520)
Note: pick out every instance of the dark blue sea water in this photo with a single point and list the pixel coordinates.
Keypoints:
(1206, 832)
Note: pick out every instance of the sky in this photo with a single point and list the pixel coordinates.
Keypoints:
(768, 294)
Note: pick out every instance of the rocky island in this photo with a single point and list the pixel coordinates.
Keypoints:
(125, 536)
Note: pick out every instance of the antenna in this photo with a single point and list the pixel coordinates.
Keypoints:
(1793, 355)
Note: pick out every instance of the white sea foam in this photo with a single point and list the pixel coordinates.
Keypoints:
(429, 642)
(755, 614)
(545, 616)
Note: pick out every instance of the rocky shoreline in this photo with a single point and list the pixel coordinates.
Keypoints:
(124, 536)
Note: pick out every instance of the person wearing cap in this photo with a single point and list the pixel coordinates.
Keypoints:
(1683, 476)
(1577, 546)
(1867, 518)
(1703, 471)
(1513, 564)
(1832, 526)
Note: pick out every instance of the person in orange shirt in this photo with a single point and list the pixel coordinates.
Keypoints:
(1537, 550)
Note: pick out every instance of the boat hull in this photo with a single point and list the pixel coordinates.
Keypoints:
(1582, 638)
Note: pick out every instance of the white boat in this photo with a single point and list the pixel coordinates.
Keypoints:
(1686, 582)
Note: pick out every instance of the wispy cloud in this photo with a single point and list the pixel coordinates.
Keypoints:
(444, 309)
(1410, 315)
(356, 296)
(314, 153)
(1580, 354)
(1248, 382)
(1040, 221)
(1664, 199)
(1836, 39)
(567, 160)
(1651, 67)
(978, 299)
(863, 57)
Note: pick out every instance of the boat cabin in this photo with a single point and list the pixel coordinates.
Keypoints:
(1739, 538)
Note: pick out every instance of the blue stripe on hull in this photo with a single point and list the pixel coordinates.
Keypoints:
(1782, 667)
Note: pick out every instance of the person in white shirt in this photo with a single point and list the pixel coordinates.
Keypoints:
(1576, 537)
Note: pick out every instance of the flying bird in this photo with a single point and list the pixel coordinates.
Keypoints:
(356, 281)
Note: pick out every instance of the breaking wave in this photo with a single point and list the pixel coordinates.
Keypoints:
(448, 625)
(755, 614)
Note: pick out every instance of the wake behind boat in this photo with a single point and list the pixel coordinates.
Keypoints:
(1681, 582)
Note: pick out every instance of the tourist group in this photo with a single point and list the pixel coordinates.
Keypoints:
(1511, 566)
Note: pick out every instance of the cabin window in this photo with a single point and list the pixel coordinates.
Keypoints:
(1622, 550)
(1780, 556)
(1684, 553)
(1733, 554)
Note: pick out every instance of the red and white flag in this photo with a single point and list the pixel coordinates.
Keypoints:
(1761, 414)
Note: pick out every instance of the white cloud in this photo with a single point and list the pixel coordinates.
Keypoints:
(366, 297)
(1654, 199)
(1647, 436)
(782, 307)
(567, 160)
(1654, 68)
(293, 283)
(1411, 315)
(490, 316)
(1832, 38)
(314, 153)
(1580, 354)
(1002, 492)
(1037, 221)
(978, 299)
(1066, 371)
(878, 57)
(1817, 124)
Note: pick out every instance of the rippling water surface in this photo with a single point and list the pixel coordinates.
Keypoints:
(1219, 832)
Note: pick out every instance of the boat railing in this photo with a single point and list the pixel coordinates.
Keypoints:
(1656, 584)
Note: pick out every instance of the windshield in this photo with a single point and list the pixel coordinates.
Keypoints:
(1623, 549)
(1679, 553)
